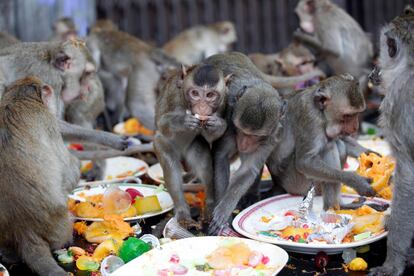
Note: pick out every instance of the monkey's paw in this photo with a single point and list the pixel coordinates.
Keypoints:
(363, 187)
(191, 122)
(385, 270)
(220, 219)
(185, 220)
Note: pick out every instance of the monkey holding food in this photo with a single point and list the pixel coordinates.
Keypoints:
(189, 117)
(37, 173)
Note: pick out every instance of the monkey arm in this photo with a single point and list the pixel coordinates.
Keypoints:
(103, 154)
(171, 122)
(215, 128)
(354, 149)
(73, 133)
(289, 82)
(240, 183)
(223, 149)
(313, 42)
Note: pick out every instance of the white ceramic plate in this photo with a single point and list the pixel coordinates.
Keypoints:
(163, 197)
(377, 145)
(119, 165)
(245, 222)
(155, 171)
(195, 250)
(4, 270)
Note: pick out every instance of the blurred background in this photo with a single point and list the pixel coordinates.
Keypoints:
(262, 25)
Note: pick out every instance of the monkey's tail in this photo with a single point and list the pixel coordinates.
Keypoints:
(290, 82)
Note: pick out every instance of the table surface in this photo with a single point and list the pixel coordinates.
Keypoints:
(298, 264)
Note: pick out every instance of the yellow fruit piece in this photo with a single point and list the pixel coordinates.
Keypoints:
(131, 212)
(109, 247)
(368, 223)
(80, 227)
(147, 204)
(77, 251)
(111, 227)
(132, 126)
(293, 231)
(88, 210)
(358, 264)
(386, 193)
(87, 263)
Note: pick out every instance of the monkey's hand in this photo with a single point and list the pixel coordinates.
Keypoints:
(221, 216)
(182, 215)
(191, 122)
(361, 185)
(389, 267)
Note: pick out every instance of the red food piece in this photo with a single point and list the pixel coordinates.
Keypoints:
(76, 147)
(346, 165)
(265, 260)
(134, 193)
(178, 269)
(175, 259)
(289, 213)
(321, 261)
(163, 272)
(297, 237)
(306, 235)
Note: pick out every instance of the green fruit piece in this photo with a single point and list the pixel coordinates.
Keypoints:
(132, 248)
(65, 258)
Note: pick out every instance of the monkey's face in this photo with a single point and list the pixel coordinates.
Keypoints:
(397, 47)
(203, 100)
(305, 10)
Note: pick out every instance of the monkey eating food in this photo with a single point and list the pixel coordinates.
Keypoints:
(189, 118)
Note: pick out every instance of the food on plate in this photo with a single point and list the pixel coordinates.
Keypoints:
(195, 199)
(132, 248)
(147, 204)
(330, 227)
(134, 127)
(229, 258)
(127, 204)
(113, 227)
(358, 264)
(379, 169)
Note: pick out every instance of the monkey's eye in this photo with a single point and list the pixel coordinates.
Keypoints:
(210, 95)
(392, 47)
(194, 93)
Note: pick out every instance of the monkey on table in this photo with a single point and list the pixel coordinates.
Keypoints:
(397, 75)
(197, 43)
(308, 147)
(136, 67)
(336, 36)
(253, 113)
(37, 173)
(189, 118)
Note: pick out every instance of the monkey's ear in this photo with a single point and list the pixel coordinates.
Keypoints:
(46, 94)
(62, 61)
(321, 98)
(227, 78)
(183, 71)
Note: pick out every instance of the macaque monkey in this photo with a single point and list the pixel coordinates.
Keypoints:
(64, 29)
(37, 173)
(397, 76)
(336, 36)
(315, 141)
(62, 65)
(293, 60)
(253, 114)
(189, 118)
(136, 67)
(197, 43)
(7, 40)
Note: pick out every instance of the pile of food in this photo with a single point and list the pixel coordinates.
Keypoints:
(230, 258)
(331, 227)
(377, 168)
(128, 203)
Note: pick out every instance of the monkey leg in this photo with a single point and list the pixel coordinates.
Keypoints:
(140, 100)
(36, 254)
(170, 158)
(253, 194)
(199, 159)
(400, 224)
